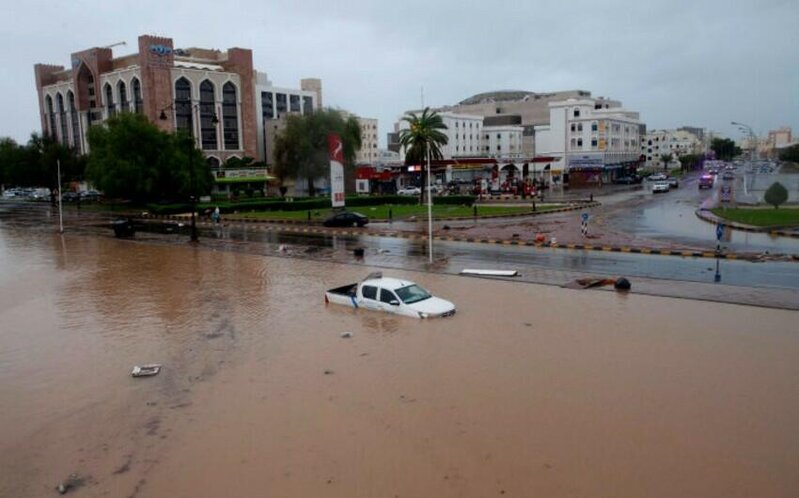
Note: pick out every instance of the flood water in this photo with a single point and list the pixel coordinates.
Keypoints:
(527, 391)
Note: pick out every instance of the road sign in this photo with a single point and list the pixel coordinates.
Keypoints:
(584, 217)
(719, 231)
(726, 193)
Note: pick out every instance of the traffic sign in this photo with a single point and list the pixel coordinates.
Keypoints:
(719, 231)
(584, 217)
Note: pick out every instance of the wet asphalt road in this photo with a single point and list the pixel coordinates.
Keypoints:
(449, 256)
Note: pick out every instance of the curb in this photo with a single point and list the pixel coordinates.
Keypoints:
(712, 218)
(472, 240)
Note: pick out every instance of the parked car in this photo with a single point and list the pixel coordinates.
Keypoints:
(346, 219)
(728, 175)
(705, 181)
(660, 187)
(673, 182)
(628, 180)
(70, 196)
(657, 177)
(409, 191)
(89, 196)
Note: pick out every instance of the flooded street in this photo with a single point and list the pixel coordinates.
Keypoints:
(528, 390)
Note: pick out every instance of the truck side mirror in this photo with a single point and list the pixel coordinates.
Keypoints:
(394, 302)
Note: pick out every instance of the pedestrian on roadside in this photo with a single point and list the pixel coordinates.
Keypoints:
(216, 216)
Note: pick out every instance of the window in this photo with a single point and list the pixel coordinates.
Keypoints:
(183, 118)
(267, 105)
(73, 114)
(282, 105)
(307, 105)
(579, 127)
(593, 143)
(109, 100)
(123, 96)
(577, 113)
(207, 116)
(62, 118)
(573, 127)
(413, 294)
(386, 296)
(369, 292)
(499, 136)
(48, 103)
(137, 102)
(294, 102)
(593, 126)
(230, 116)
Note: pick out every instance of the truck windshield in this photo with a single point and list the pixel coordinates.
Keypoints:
(412, 294)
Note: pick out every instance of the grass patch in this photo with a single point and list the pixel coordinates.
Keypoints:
(761, 217)
(397, 212)
(789, 168)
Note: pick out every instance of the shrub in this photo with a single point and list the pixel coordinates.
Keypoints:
(776, 194)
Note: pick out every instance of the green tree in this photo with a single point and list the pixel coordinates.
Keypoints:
(301, 149)
(724, 148)
(790, 154)
(776, 194)
(34, 164)
(690, 161)
(422, 136)
(131, 158)
(666, 158)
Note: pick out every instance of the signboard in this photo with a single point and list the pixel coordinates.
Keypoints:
(584, 217)
(336, 151)
(726, 193)
(719, 231)
(362, 186)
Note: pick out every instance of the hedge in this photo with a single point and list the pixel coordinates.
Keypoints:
(303, 204)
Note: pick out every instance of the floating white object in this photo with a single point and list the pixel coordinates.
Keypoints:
(146, 370)
(491, 273)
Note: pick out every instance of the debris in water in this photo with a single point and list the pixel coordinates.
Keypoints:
(346, 335)
(146, 370)
(328, 372)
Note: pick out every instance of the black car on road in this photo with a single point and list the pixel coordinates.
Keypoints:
(345, 219)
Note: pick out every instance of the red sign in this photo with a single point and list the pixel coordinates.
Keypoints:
(335, 148)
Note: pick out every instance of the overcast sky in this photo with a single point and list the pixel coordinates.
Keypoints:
(697, 63)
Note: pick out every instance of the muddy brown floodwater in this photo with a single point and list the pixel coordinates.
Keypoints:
(527, 391)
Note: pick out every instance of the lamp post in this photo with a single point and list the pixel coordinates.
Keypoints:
(752, 137)
(190, 151)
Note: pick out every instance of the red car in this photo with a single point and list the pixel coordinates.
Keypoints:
(705, 181)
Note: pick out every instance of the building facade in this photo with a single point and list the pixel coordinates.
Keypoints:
(230, 110)
(656, 144)
(274, 104)
(590, 143)
(206, 93)
(368, 153)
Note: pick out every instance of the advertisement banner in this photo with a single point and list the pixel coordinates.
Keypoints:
(336, 151)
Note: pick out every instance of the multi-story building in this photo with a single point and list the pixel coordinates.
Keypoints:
(216, 96)
(590, 143)
(368, 152)
(275, 103)
(503, 141)
(207, 93)
(656, 144)
(520, 108)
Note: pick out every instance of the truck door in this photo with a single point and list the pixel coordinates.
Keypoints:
(386, 298)
(369, 295)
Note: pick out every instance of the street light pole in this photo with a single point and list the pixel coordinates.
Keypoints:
(429, 209)
(752, 138)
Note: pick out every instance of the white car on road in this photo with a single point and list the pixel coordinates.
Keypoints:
(409, 191)
(661, 186)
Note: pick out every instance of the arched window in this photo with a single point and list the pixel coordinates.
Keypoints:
(62, 119)
(183, 106)
(123, 96)
(73, 114)
(207, 116)
(230, 116)
(48, 104)
(137, 103)
(213, 162)
(109, 100)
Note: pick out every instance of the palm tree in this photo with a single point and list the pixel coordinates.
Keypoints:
(666, 158)
(423, 136)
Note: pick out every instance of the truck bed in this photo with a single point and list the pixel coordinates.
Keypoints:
(343, 295)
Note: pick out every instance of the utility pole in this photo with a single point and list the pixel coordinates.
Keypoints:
(58, 192)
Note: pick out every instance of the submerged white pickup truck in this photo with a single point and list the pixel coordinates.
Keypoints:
(391, 295)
